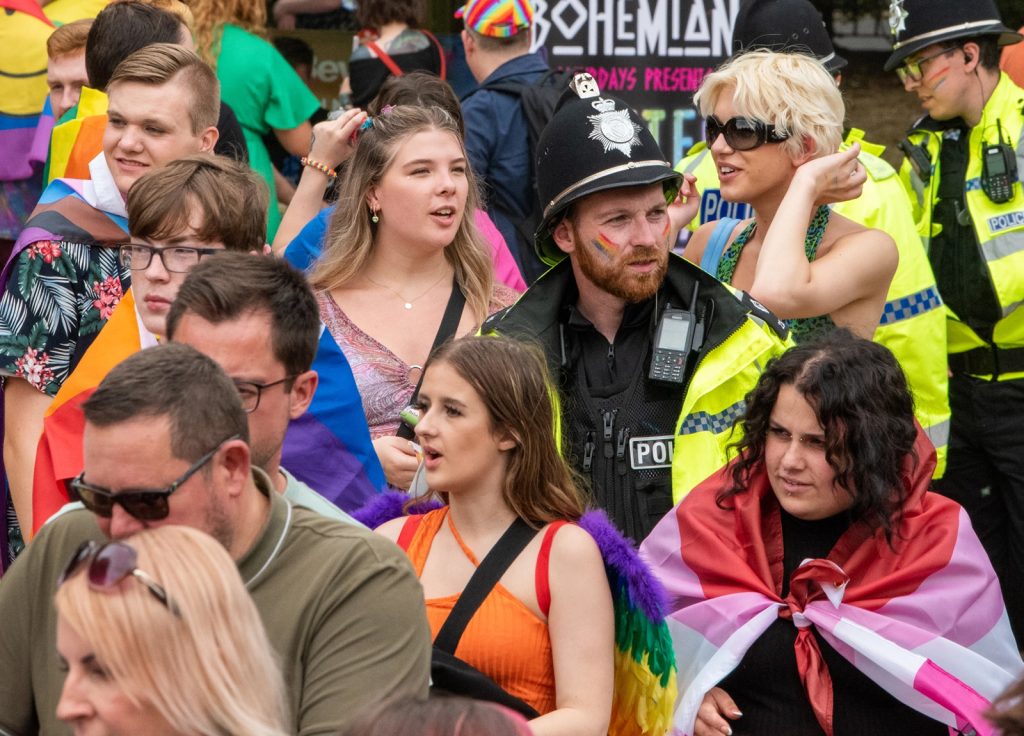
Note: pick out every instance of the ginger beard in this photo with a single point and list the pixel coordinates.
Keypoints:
(615, 269)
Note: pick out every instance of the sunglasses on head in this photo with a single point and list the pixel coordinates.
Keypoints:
(143, 504)
(110, 563)
(742, 134)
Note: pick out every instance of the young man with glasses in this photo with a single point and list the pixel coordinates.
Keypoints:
(651, 355)
(963, 169)
(167, 442)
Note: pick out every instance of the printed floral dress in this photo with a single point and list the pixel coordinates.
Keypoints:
(58, 296)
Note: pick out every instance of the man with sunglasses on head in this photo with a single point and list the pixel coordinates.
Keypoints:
(963, 169)
(652, 356)
(913, 322)
(167, 441)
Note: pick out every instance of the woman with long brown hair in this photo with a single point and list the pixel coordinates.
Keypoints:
(544, 632)
(401, 252)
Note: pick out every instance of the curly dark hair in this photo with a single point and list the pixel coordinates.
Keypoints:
(860, 396)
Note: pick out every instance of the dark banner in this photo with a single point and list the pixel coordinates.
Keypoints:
(651, 53)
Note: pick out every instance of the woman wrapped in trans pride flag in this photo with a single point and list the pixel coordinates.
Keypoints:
(815, 586)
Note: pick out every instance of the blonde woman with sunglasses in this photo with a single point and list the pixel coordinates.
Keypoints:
(158, 636)
(774, 126)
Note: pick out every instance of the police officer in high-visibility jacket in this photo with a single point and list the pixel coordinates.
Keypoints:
(964, 160)
(652, 356)
(913, 323)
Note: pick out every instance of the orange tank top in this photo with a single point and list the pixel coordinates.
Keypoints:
(504, 639)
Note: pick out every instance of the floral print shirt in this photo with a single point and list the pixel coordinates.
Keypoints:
(59, 295)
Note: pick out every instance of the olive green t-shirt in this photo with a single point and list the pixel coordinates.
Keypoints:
(342, 607)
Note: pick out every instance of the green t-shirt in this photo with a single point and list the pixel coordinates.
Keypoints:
(264, 92)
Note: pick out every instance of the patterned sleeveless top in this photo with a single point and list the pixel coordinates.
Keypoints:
(802, 328)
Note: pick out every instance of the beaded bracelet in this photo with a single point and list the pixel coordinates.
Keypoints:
(314, 164)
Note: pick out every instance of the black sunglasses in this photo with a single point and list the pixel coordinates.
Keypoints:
(143, 504)
(109, 564)
(742, 134)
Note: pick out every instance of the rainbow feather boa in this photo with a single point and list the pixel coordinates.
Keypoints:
(645, 666)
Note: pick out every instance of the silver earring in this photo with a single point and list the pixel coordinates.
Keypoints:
(373, 217)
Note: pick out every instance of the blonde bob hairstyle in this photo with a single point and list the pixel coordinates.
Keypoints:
(350, 237)
(793, 92)
(210, 671)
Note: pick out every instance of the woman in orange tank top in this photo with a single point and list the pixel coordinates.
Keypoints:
(545, 632)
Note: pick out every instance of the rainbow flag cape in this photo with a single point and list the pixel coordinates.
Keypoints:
(329, 446)
(75, 142)
(926, 622)
(645, 666)
(59, 454)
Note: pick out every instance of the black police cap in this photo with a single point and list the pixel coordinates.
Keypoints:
(592, 143)
(785, 25)
(915, 24)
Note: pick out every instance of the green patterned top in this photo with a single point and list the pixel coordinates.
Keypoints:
(802, 328)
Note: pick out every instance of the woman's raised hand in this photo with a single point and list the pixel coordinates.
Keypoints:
(684, 207)
(835, 178)
(711, 715)
(334, 141)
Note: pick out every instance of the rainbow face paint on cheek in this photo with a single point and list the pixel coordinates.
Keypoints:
(938, 78)
(667, 230)
(605, 246)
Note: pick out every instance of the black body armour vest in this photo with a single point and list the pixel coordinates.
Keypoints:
(623, 445)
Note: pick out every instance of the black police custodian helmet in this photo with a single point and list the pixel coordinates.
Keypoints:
(592, 143)
(915, 24)
(785, 25)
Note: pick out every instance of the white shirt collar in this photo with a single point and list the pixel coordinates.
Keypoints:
(101, 191)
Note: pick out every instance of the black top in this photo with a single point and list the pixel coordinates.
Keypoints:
(766, 686)
(367, 75)
(607, 366)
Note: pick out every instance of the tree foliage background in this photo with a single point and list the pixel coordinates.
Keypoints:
(1012, 11)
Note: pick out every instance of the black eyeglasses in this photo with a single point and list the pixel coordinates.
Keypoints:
(109, 564)
(143, 504)
(250, 391)
(176, 258)
(911, 70)
(742, 134)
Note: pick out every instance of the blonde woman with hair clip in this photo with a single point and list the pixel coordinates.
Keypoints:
(774, 123)
(403, 267)
(158, 636)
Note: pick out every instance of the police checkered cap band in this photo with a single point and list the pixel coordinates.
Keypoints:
(496, 18)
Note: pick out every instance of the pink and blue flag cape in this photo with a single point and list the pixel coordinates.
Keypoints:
(329, 446)
(926, 622)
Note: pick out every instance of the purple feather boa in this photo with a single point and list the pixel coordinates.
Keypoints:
(390, 505)
(624, 565)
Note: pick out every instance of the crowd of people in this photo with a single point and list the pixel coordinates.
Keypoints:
(475, 428)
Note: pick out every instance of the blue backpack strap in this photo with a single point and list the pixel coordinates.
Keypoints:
(716, 244)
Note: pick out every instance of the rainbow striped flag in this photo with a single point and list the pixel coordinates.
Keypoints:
(925, 622)
(59, 453)
(329, 446)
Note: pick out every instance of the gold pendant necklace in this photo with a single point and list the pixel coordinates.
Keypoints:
(407, 303)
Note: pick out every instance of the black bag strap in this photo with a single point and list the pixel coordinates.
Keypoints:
(487, 574)
(449, 323)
